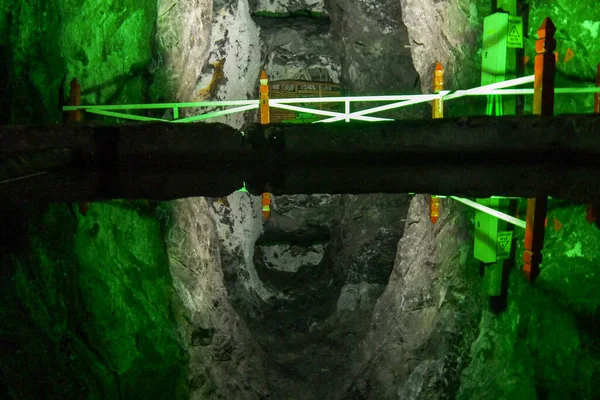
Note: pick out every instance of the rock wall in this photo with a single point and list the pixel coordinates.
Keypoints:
(546, 343)
(374, 47)
(216, 44)
(283, 8)
(425, 320)
(225, 360)
(86, 305)
(449, 32)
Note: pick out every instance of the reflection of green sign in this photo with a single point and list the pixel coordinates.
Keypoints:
(515, 32)
(503, 245)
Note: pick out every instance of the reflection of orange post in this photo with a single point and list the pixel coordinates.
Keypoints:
(434, 208)
(265, 117)
(266, 205)
(75, 100)
(438, 112)
(543, 104)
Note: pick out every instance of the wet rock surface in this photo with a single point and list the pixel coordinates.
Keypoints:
(317, 269)
(423, 323)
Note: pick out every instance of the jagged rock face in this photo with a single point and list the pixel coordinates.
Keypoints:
(217, 45)
(545, 344)
(183, 38)
(306, 284)
(374, 46)
(299, 48)
(449, 32)
(225, 361)
(425, 320)
(285, 7)
(86, 307)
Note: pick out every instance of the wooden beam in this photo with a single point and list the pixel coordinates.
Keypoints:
(476, 157)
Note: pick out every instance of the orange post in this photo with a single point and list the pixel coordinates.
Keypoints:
(543, 104)
(265, 117)
(75, 100)
(438, 85)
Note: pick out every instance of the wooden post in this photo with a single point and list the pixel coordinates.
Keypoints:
(545, 70)
(75, 100)
(543, 104)
(265, 117)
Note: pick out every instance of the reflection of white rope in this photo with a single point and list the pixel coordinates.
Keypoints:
(20, 178)
(500, 215)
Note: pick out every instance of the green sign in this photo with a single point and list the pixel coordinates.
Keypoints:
(515, 32)
(503, 245)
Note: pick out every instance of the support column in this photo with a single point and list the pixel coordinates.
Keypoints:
(543, 104)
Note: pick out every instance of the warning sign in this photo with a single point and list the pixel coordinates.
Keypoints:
(515, 32)
(503, 245)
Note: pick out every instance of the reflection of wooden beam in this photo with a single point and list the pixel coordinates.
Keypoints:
(477, 157)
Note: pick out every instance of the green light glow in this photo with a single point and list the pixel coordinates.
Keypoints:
(399, 101)
(484, 90)
(530, 91)
(164, 105)
(215, 114)
(491, 211)
(351, 98)
(125, 116)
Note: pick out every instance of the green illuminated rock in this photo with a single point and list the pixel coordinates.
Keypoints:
(87, 311)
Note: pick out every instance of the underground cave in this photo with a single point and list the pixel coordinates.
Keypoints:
(299, 199)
